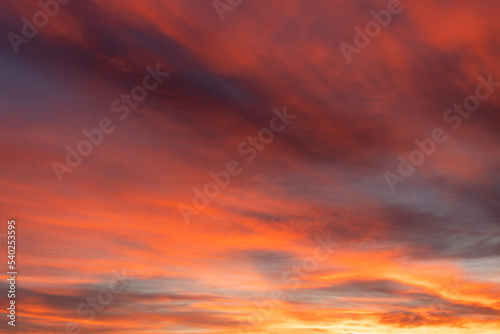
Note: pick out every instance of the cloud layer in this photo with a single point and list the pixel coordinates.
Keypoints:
(424, 256)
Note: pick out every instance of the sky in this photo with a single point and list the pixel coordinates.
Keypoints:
(246, 166)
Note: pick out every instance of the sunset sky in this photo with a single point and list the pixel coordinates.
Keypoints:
(311, 226)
